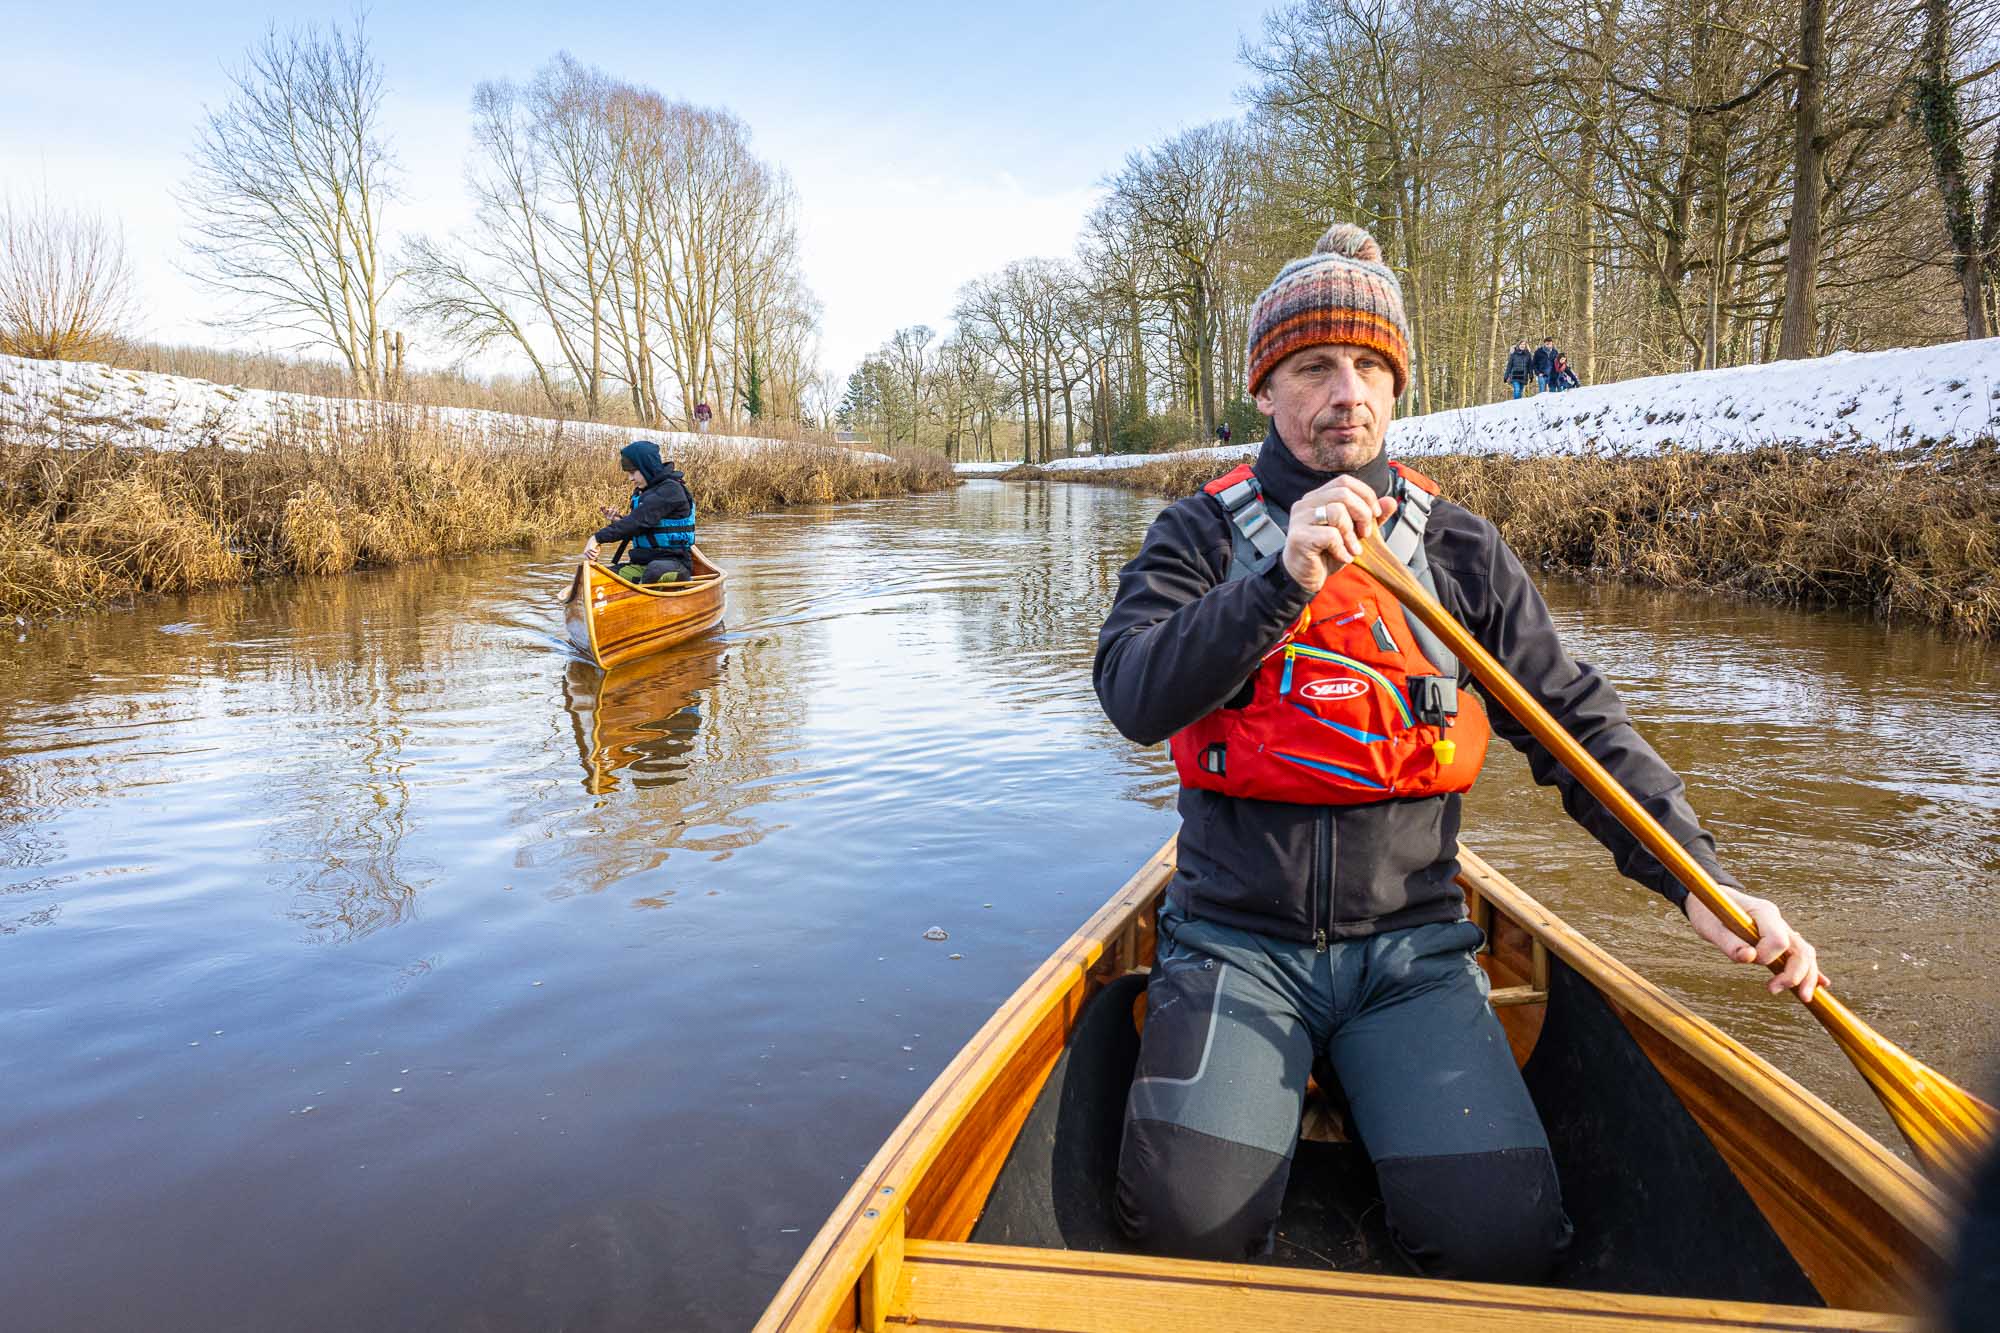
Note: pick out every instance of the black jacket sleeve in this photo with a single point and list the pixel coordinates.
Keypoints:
(1506, 613)
(657, 505)
(1180, 641)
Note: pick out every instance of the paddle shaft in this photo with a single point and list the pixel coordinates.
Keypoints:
(1945, 1125)
(1528, 711)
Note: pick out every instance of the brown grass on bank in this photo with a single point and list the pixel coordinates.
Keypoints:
(1905, 534)
(79, 527)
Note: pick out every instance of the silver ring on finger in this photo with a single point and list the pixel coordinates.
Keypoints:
(1319, 514)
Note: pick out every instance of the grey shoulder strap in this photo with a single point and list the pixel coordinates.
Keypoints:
(1256, 530)
(1257, 535)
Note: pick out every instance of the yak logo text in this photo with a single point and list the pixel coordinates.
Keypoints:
(1334, 689)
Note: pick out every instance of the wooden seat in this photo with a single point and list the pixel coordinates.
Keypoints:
(947, 1285)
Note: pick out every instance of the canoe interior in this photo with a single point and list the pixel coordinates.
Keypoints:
(611, 620)
(1691, 1167)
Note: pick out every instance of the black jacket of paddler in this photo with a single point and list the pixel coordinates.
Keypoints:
(664, 500)
(1182, 640)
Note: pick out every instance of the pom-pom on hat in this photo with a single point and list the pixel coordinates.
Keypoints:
(1340, 293)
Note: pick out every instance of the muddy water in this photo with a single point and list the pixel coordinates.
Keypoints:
(367, 962)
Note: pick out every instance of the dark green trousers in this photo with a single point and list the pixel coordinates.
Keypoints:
(1234, 1021)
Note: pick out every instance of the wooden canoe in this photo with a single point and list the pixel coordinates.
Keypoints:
(612, 620)
(1709, 1190)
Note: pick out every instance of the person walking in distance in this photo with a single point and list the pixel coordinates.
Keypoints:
(1323, 741)
(1545, 365)
(702, 416)
(1520, 365)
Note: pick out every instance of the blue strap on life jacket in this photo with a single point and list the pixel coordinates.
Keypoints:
(671, 534)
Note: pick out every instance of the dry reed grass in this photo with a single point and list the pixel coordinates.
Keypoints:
(1905, 534)
(79, 527)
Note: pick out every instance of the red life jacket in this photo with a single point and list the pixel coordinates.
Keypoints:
(1357, 703)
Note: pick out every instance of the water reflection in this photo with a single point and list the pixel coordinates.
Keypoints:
(644, 715)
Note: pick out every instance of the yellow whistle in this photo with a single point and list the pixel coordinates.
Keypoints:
(1445, 751)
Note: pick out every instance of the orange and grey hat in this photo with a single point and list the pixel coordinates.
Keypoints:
(1342, 293)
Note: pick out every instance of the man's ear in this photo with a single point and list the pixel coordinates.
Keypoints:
(1265, 402)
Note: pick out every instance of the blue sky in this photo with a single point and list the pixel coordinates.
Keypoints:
(929, 143)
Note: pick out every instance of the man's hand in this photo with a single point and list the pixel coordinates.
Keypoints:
(1801, 970)
(590, 550)
(1328, 527)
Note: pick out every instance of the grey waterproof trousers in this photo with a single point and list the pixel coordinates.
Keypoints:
(1233, 1023)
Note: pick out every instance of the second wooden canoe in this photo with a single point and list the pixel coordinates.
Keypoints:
(613, 620)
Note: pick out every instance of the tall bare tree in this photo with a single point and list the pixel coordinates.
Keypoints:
(285, 199)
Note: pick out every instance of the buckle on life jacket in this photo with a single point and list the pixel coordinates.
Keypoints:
(1434, 699)
(1214, 758)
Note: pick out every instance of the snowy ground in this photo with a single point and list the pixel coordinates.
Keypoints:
(1898, 398)
(82, 403)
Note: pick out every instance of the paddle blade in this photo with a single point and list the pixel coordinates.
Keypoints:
(1948, 1129)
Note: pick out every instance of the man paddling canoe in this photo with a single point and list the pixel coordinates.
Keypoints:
(660, 526)
(1323, 740)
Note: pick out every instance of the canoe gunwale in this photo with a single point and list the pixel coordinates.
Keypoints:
(860, 1248)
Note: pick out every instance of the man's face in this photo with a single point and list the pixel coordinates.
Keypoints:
(1331, 405)
(638, 480)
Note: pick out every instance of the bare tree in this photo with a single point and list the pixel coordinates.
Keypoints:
(65, 282)
(624, 239)
(1186, 197)
(285, 200)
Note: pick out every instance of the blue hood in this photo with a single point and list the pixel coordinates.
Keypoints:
(644, 456)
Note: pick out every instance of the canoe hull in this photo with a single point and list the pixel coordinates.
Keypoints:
(610, 620)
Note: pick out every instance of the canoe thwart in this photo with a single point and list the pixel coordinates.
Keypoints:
(944, 1284)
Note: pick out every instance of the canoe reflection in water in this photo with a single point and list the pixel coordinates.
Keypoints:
(643, 716)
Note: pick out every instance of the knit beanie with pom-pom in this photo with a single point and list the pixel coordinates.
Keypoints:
(1341, 293)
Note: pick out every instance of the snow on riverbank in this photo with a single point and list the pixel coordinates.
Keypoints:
(1849, 399)
(82, 403)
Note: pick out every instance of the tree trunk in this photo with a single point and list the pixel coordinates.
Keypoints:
(1800, 335)
(1937, 112)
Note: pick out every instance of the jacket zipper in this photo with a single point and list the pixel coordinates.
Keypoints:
(1323, 860)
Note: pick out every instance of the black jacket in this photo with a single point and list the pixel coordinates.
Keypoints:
(1545, 360)
(1182, 641)
(1520, 365)
(658, 521)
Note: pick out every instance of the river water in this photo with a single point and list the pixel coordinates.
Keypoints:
(367, 962)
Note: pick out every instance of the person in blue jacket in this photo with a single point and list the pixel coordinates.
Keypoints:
(659, 529)
(1545, 365)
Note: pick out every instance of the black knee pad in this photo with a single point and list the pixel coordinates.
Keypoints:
(1479, 1217)
(1191, 1195)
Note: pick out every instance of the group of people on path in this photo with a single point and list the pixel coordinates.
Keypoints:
(1546, 366)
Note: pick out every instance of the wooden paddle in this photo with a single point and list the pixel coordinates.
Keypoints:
(1948, 1128)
